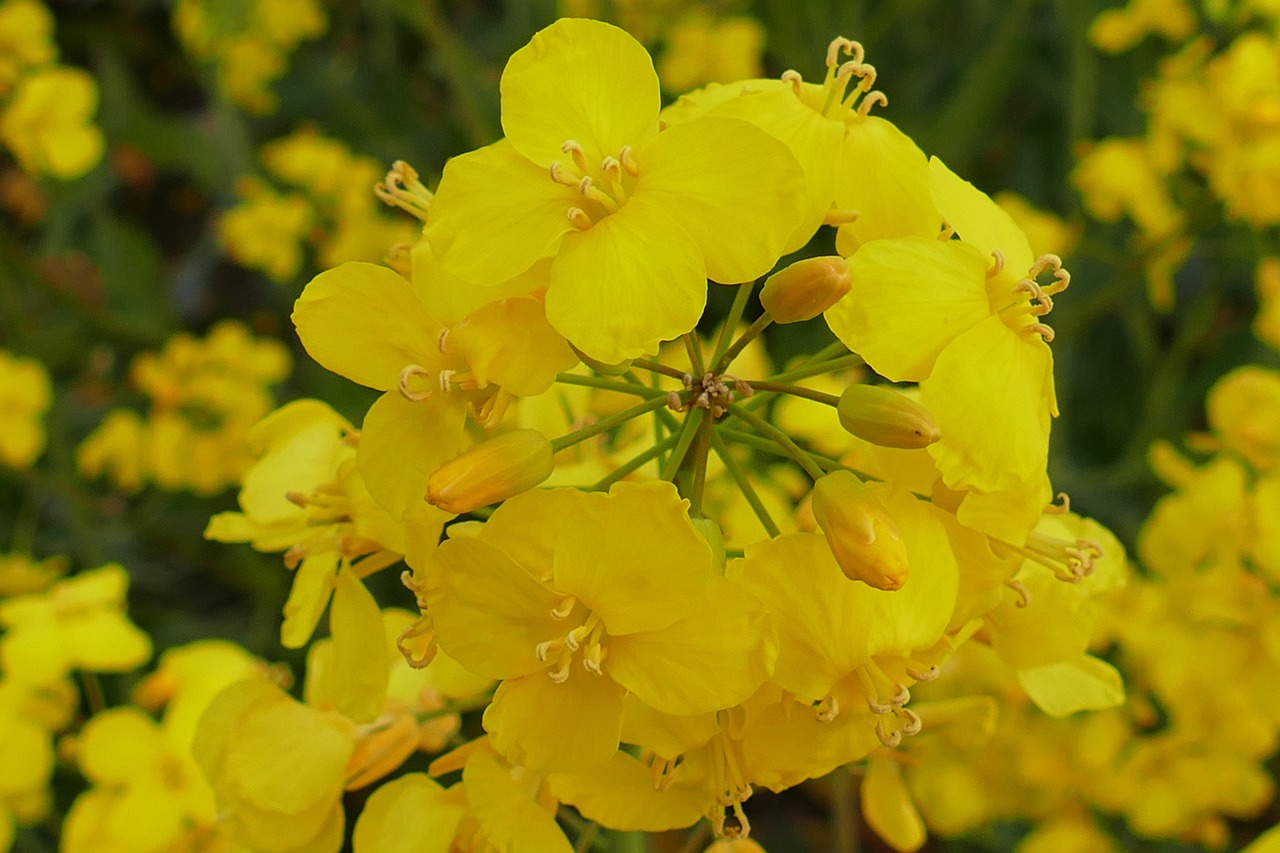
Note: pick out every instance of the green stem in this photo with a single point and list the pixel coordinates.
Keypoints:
(701, 449)
(794, 450)
(688, 431)
(753, 331)
(92, 691)
(844, 817)
(764, 445)
(605, 424)
(744, 484)
(818, 367)
(693, 348)
(795, 391)
(609, 385)
(658, 367)
(740, 299)
(635, 463)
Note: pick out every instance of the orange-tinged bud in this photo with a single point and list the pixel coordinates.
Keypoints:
(860, 532)
(886, 417)
(805, 289)
(491, 471)
(381, 750)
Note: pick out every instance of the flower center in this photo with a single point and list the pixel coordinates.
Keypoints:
(1030, 299)
(588, 637)
(837, 99)
(599, 191)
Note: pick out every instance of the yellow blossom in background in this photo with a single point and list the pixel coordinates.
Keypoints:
(25, 395)
(267, 230)
(1266, 325)
(26, 39)
(30, 715)
(20, 573)
(1047, 233)
(702, 49)
(47, 123)
(1117, 30)
(206, 395)
(78, 623)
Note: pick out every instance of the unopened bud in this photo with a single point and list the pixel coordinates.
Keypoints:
(491, 471)
(860, 532)
(886, 417)
(805, 289)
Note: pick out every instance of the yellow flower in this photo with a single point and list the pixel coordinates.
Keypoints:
(47, 123)
(26, 39)
(635, 220)
(701, 49)
(1117, 30)
(79, 623)
(1244, 412)
(266, 230)
(25, 395)
(277, 768)
(1266, 324)
(622, 584)
(20, 574)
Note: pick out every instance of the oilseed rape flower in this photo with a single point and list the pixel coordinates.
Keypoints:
(585, 177)
(25, 395)
(26, 39)
(47, 122)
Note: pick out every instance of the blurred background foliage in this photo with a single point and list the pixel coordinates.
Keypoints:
(97, 270)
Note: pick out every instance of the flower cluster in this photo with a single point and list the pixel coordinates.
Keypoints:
(25, 395)
(641, 654)
(248, 44)
(205, 396)
(46, 109)
(328, 206)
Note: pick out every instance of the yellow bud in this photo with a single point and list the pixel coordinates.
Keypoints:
(491, 471)
(860, 532)
(805, 289)
(886, 417)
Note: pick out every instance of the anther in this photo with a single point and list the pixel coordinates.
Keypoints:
(544, 651)
(557, 174)
(578, 217)
(587, 187)
(564, 608)
(828, 709)
(1024, 597)
(872, 99)
(612, 168)
(297, 499)
(629, 163)
(593, 657)
(561, 673)
(923, 674)
(1045, 333)
(793, 77)
(401, 188)
(1060, 508)
(878, 707)
(888, 738)
(913, 725)
(901, 696)
(442, 340)
(848, 46)
(402, 384)
(574, 150)
(997, 267)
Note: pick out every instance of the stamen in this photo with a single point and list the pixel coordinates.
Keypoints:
(401, 188)
(902, 696)
(593, 657)
(564, 608)
(872, 99)
(558, 175)
(923, 674)
(587, 188)
(1045, 333)
(828, 709)
(561, 673)
(442, 341)
(848, 46)
(841, 216)
(402, 384)
(574, 150)
(612, 168)
(491, 410)
(1062, 508)
(1024, 597)
(997, 267)
(913, 725)
(629, 163)
(578, 217)
(889, 738)
(544, 651)
(793, 77)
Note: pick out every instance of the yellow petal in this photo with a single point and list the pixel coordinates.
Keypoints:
(582, 80)
(978, 220)
(990, 393)
(402, 442)
(411, 814)
(448, 298)
(620, 794)
(303, 442)
(547, 726)
(502, 802)
(364, 322)
(910, 299)
(510, 342)
(634, 558)
(495, 214)
(490, 614)
(634, 279)
(887, 182)
(1085, 684)
(732, 187)
(313, 582)
(887, 806)
(360, 660)
(711, 659)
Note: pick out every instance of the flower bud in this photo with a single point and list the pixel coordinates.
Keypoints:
(860, 532)
(886, 417)
(805, 289)
(491, 471)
